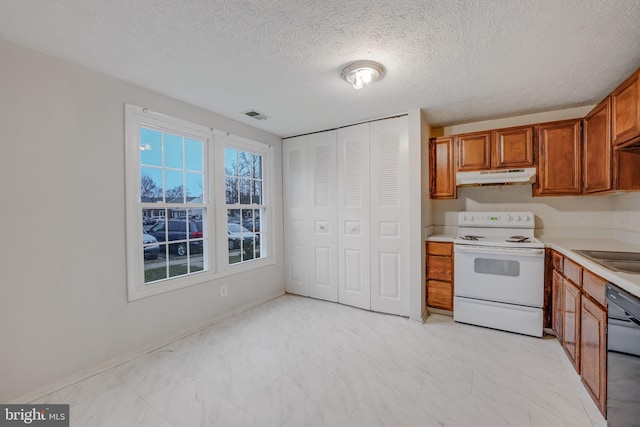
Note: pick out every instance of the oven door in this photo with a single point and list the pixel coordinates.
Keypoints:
(514, 276)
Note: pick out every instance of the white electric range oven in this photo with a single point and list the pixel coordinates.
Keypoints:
(499, 272)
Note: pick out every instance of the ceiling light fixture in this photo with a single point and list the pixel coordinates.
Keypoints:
(360, 73)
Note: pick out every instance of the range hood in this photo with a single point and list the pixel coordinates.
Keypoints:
(497, 177)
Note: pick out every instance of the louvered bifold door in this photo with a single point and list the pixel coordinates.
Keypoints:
(322, 216)
(354, 287)
(389, 158)
(296, 254)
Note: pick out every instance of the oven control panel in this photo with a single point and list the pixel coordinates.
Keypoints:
(496, 219)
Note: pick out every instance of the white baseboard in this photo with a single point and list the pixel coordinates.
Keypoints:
(439, 311)
(123, 358)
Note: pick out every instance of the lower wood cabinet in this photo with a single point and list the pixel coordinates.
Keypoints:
(580, 323)
(440, 275)
(593, 351)
(571, 322)
(557, 289)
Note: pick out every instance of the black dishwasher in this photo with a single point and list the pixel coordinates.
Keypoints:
(623, 358)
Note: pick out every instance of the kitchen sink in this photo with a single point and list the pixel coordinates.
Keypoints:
(625, 262)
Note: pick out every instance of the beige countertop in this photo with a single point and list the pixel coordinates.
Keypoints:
(441, 238)
(627, 281)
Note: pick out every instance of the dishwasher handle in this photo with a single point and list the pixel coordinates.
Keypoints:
(632, 318)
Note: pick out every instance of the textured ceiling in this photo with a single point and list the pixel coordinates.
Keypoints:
(459, 60)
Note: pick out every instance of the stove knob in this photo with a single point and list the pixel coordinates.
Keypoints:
(527, 218)
(509, 218)
(518, 219)
(472, 218)
(464, 217)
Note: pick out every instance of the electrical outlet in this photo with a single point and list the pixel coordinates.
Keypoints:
(223, 291)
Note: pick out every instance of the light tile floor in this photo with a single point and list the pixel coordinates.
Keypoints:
(296, 361)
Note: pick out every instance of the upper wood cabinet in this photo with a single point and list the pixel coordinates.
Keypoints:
(596, 157)
(559, 158)
(497, 149)
(625, 104)
(512, 147)
(442, 168)
(474, 151)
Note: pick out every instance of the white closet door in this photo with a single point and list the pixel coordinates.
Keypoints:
(296, 253)
(353, 217)
(322, 216)
(390, 216)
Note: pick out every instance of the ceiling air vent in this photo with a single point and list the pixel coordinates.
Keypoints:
(255, 115)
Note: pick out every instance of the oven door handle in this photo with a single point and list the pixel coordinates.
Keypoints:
(470, 249)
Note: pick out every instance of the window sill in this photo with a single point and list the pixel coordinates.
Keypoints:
(137, 292)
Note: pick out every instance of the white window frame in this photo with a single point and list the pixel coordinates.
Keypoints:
(225, 140)
(216, 262)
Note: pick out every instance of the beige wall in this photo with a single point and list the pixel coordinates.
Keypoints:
(64, 309)
(569, 216)
(626, 220)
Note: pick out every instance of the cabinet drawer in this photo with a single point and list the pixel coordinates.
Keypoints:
(439, 268)
(558, 261)
(440, 294)
(440, 248)
(594, 286)
(573, 272)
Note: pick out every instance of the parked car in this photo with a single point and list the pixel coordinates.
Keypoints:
(238, 233)
(251, 225)
(177, 230)
(151, 248)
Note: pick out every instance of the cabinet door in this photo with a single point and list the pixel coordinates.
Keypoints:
(474, 151)
(593, 351)
(596, 165)
(559, 158)
(322, 216)
(571, 322)
(513, 147)
(389, 178)
(296, 254)
(354, 266)
(557, 292)
(442, 170)
(625, 102)
(440, 294)
(440, 268)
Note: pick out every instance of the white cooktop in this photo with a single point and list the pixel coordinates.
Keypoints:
(498, 229)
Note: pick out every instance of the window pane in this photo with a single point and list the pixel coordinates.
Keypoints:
(150, 147)
(256, 216)
(256, 192)
(257, 166)
(179, 267)
(194, 155)
(195, 186)
(174, 192)
(173, 151)
(196, 262)
(231, 185)
(245, 164)
(258, 241)
(245, 191)
(155, 270)
(150, 184)
(248, 248)
(231, 162)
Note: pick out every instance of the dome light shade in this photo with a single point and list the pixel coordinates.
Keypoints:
(360, 73)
